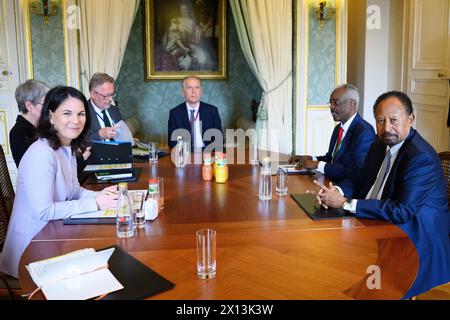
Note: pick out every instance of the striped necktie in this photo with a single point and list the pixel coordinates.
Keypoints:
(381, 176)
(192, 122)
(338, 142)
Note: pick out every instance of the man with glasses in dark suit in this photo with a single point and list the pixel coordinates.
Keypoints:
(350, 140)
(104, 116)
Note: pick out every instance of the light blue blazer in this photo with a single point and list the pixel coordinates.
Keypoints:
(47, 189)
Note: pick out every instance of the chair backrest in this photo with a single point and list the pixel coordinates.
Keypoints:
(6, 197)
(445, 162)
(4, 220)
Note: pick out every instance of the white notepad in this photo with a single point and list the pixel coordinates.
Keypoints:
(111, 213)
(78, 275)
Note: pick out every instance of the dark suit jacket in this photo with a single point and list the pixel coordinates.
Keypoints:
(179, 119)
(415, 199)
(92, 133)
(21, 136)
(350, 158)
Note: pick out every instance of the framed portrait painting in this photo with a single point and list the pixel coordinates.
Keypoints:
(185, 37)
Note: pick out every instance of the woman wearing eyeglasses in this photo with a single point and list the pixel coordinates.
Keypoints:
(30, 98)
(47, 184)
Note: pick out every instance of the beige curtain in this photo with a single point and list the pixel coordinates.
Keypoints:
(105, 28)
(265, 34)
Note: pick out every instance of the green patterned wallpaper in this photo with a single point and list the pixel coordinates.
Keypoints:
(322, 57)
(47, 43)
(150, 102)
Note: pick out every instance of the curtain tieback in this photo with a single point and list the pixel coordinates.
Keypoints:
(262, 111)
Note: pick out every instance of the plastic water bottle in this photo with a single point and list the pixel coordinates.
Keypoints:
(265, 180)
(180, 160)
(124, 220)
(253, 153)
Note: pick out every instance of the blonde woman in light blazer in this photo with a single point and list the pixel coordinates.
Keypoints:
(47, 184)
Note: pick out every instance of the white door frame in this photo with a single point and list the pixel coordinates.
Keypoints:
(70, 15)
(301, 108)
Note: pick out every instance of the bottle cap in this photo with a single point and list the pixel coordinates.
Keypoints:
(123, 185)
(207, 155)
(266, 160)
(153, 185)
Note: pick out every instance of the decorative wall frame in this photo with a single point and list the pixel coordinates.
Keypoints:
(185, 38)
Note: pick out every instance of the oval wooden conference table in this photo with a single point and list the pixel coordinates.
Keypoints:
(265, 249)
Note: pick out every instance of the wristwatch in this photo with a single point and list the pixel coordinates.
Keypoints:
(348, 205)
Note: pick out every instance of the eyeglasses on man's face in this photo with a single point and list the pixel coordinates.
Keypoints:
(333, 103)
(111, 95)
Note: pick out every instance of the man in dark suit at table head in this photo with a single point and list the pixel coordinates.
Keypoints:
(349, 142)
(402, 182)
(194, 116)
(104, 116)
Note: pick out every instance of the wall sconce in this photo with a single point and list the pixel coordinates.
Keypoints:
(45, 8)
(324, 13)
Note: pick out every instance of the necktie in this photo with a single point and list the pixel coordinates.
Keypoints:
(106, 119)
(192, 122)
(338, 142)
(381, 176)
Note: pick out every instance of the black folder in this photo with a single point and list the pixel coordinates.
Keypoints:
(89, 221)
(92, 179)
(139, 281)
(315, 211)
(104, 152)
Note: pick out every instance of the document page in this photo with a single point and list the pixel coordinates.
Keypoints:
(111, 166)
(290, 168)
(36, 269)
(111, 213)
(124, 133)
(70, 265)
(82, 287)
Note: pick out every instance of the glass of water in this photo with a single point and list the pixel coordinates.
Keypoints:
(152, 152)
(137, 199)
(281, 188)
(206, 253)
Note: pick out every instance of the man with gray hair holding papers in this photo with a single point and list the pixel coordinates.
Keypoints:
(350, 141)
(106, 120)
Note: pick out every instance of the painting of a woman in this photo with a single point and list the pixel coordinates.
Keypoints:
(183, 41)
(186, 37)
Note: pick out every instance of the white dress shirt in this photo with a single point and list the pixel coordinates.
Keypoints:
(198, 143)
(394, 153)
(99, 114)
(345, 126)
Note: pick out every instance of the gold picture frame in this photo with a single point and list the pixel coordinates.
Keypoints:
(185, 38)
